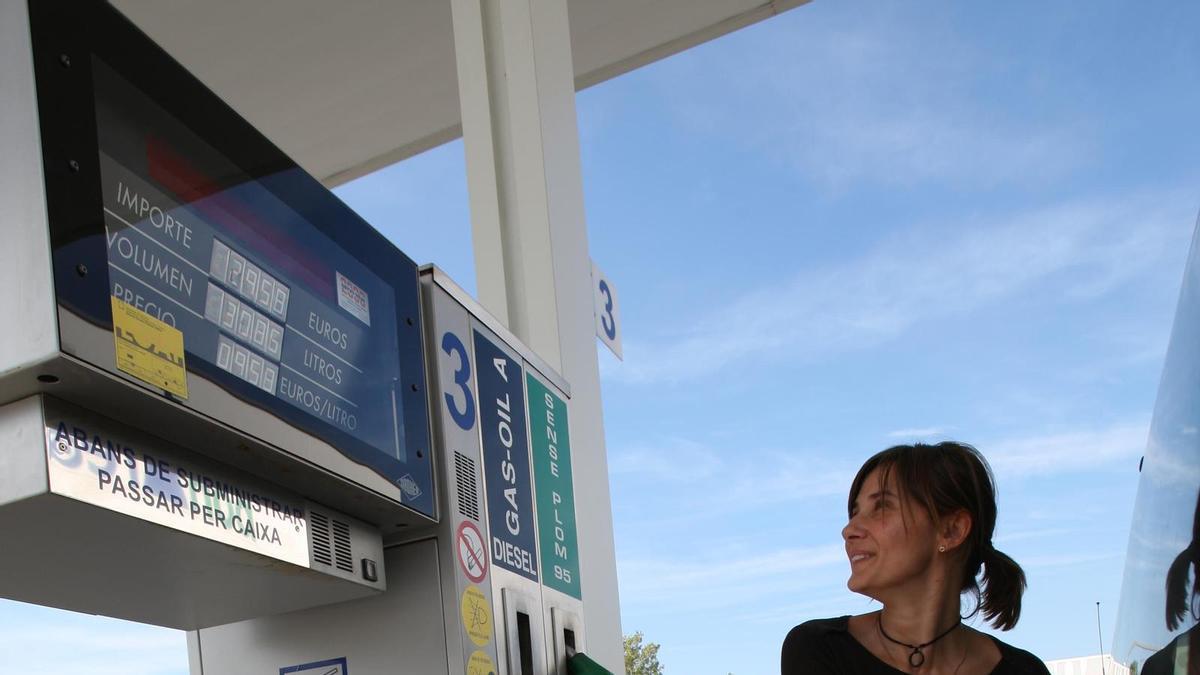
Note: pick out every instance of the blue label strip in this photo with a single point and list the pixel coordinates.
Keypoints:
(506, 458)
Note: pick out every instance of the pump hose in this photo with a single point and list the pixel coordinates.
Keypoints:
(580, 664)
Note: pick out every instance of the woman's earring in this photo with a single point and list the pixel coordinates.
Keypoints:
(941, 549)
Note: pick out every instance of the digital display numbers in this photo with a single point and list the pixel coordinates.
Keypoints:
(236, 359)
(236, 317)
(248, 280)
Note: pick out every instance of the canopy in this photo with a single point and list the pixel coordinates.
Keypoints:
(349, 86)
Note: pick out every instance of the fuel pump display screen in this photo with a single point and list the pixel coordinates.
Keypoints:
(174, 221)
(257, 291)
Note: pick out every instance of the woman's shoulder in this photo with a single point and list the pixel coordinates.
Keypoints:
(817, 629)
(813, 635)
(1017, 661)
(827, 647)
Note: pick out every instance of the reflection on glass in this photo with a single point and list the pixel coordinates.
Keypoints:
(1183, 591)
(257, 289)
(1157, 624)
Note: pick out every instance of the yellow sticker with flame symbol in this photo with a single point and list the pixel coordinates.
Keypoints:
(149, 349)
(477, 616)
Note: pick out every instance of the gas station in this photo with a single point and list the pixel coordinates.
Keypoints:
(233, 407)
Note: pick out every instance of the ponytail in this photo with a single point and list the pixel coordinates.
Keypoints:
(1177, 592)
(1003, 584)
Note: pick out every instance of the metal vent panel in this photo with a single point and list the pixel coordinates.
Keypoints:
(322, 545)
(468, 491)
(343, 554)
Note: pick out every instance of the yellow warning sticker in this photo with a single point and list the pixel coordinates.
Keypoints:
(480, 664)
(149, 349)
(477, 616)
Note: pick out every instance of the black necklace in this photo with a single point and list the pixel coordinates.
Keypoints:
(916, 657)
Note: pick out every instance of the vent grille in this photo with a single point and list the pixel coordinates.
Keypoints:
(331, 542)
(468, 493)
(342, 555)
(322, 546)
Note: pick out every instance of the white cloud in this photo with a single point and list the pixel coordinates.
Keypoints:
(872, 97)
(671, 460)
(1068, 451)
(696, 481)
(690, 481)
(1067, 559)
(1079, 249)
(74, 643)
(1022, 535)
(726, 579)
(831, 603)
(767, 580)
(919, 433)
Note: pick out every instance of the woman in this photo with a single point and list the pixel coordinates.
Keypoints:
(920, 533)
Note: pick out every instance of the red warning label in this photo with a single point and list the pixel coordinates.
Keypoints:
(472, 553)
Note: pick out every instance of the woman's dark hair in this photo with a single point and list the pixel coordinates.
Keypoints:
(1178, 600)
(945, 478)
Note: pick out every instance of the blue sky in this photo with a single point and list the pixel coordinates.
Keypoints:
(857, 226)
(849, 226)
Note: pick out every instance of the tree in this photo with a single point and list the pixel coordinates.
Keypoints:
(641, 659)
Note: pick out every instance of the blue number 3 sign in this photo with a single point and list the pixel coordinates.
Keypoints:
(607, 310)
(606, 319)
(465, 418)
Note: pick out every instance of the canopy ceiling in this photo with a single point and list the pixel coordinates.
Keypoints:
(349, 86)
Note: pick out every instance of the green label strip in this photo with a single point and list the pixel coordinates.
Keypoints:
(559, 541)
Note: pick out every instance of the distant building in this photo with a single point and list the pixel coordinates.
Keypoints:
(1087, 665)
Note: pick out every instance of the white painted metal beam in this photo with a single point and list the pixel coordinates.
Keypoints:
(517, 92)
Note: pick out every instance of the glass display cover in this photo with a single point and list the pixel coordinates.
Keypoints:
(257, 291)
(162, 197)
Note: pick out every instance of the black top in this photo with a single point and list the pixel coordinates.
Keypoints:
(1163, 661)
(826, 647)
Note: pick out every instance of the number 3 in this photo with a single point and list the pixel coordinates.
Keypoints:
(465, 418)
(609, 323)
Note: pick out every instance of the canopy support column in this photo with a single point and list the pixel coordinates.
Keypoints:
(533, 271)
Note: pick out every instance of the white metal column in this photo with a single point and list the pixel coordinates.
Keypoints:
(517, 95)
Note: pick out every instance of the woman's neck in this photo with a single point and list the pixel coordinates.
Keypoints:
(920, 609)
(917, 618)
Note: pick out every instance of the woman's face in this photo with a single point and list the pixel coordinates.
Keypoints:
(890, 540)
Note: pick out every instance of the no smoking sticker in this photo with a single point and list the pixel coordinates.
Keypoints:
(477, 616)
(472, 554)
(480, 664)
